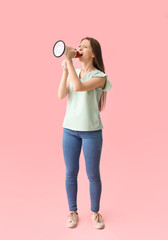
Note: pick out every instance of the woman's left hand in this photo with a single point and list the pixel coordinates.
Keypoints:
(69, 53)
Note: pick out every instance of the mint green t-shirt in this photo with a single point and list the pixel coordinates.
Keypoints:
(82, 112)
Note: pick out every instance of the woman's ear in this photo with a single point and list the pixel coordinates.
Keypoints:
(93, 55)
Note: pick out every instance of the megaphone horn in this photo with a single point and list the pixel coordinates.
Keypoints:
(59, 49)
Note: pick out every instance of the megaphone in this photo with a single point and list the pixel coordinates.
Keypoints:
(59, 49)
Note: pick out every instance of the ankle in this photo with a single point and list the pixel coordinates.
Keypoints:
(94, 213)
(73, 211)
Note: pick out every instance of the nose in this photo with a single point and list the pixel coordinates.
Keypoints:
(80, 50)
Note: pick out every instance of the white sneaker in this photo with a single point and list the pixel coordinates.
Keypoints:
(72, 219)
(97, 220)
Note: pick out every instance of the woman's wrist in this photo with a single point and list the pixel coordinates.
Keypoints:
(65, 70)
(69, 61)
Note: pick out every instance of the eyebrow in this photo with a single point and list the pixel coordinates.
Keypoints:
(84, 45)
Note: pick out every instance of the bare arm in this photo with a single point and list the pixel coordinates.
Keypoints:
(76, 83)
(63, 88)
(94, 82)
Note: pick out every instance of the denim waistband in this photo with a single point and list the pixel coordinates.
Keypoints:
(83, 133)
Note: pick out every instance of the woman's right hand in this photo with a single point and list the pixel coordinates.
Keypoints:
(64, 65)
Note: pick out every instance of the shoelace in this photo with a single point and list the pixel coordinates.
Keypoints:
(72, 216)
(98, 217)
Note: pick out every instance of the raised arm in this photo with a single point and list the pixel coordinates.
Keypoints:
(63, 88)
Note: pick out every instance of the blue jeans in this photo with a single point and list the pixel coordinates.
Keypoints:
(91, 141)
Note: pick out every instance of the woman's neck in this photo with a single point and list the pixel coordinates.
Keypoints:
(87, 68)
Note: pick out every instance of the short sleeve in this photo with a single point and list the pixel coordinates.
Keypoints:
(108, 84)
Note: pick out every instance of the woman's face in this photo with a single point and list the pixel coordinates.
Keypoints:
(86, 49)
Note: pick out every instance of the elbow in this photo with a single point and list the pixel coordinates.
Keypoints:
(77, 89)
(59, 96)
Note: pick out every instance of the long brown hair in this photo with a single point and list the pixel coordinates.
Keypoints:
(98, 63)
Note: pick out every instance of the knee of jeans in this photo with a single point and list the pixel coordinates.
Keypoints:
(94, 178)
(71, 174)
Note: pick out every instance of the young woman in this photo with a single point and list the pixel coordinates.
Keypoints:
(86, 88)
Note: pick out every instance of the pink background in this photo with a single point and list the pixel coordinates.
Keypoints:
(134, 162)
